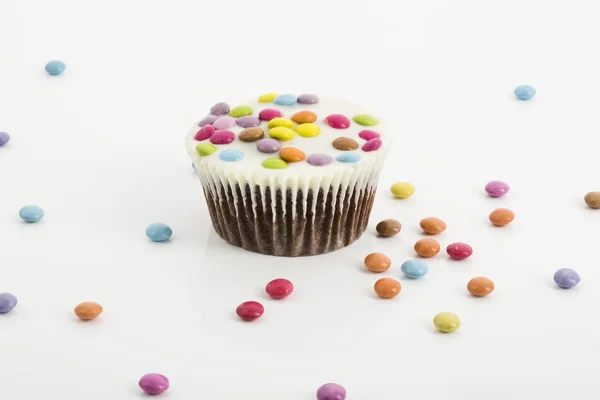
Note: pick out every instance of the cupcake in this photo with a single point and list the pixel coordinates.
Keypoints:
(289, 175)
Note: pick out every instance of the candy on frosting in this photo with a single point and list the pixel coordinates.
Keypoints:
(240, 111)
(205, 149)
(308, 99)
(345, 143)
(251, 134)
(284, 122)
(248, 121)
(221, 108)
(274, 163)
(224, 122)
(303, 117)
(292, 154)
(308, 130)
(222, 136)
(365, 119)
(372, 145)
(208, 120)
(269, 113)
(337, 121)
(282, 133)
(368, 134)
(205, 132)
(348, 157)
(285, 100)
(267, 97)
(319, 159)
(268, 145)
(231, 155)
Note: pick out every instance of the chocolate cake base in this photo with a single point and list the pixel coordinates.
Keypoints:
(296, 230)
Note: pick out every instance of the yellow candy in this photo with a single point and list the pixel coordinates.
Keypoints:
(308, 130)
(281, 133)
(402, 190)
(275, 122)
(446, 322)
(267, 97)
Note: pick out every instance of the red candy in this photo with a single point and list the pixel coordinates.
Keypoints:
(205, 132)
(368, 134)
(279, 288)
(269, 113)
(222, 136)
(372, 145)
(337, 121)
(250, 310)
(459, 251)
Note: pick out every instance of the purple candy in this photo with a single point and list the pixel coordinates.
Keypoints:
(372, 145)
(224, 122)
(497, 188)
(208, 120)
(318, 159)
(8, 301)
(248, 121)
(220, 109)
(268, 145)
(368, 134)
(222, 136)
(154, 383)
(308, 99)
(566, 278)
(331, 391)
(4, 138)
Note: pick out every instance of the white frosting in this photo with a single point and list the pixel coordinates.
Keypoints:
(361, 175)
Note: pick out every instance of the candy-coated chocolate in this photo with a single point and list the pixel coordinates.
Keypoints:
(251, 134)
(283, 122)
(4, 138)
(267, 97)
(231, 155)
(525, 92)
(308, 99)
(348, 157)
(496, 188)
(592, 199)
(222, 136)
(281, 133)
(501, 216)
(55, 67)
(432, 225)
(388, 227)
(387, 288)
(240, 111)
(279, 288)
(159, 232)
(377, 262)
(88, 310)
(274, 163)
(372, 145)
(304, 117)
(402, 190)
(205, 132)
(205, 149)
(221, 108)
(8, 302)
(337, 121)
(446, 322)
(292, 154)
(285, 100)
(319, 160)
(224, 122)
(414, 269)
(269, 113)
(459, 251)
(308, 130)
(268, 145)
(566, 278)
(480, 286)
(248, 121)
(365, 119)
(368, 134)
(31, 213)
(154, 383)
(427, 247)
(208, 120)
(345, 143)
(331, 391)
(250, 310)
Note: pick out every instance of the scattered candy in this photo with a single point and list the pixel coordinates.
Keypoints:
(240, 111)
(402, 190)
(250, 310)
(251, 134)
(308, 130)
(308, 99)
(269, 113)
(372, 145)
(224, 122)
(459, 251)
(345, 143)
(388, 227)
(501, 216)
(204, 133)
(331, 391)
(319, 160)
(31, 214)
(592, 199)
(525, 92)
(268, 145)
(231, 155)
(427, 247)
(365, 119)
(283, 122)
(337, 121)
(387, 288)
(274, 163)
(88, 310)
(8, 301)
(281, 133)
(158, 232)
(4, 138)
(480, 286)
(248, 121)
(208, 120)
(285, 100)
(377, 262)
(566, 278)
(497, 188)
(348, 157)
(205, 149)
(154, 383)
(267, 98)
(55, 67)
(291, 154)
(279, 288)
(304, 117)
(414, 269)
(433, 225)
(446, 322)
(221, 108)
(222, 136)
(368, 134)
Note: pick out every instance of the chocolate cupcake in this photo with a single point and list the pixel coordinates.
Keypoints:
(286, 175)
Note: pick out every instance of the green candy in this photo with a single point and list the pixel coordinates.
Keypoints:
(274, 163)
(365, 119)
(240, 111)
(206, 149)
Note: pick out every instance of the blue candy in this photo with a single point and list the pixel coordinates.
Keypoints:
(7, 302)
(159, 232)
(231, 155)
(414, 269)
(525, 92)
(285, 100)
(31, 213)
(348, 157)
(55, 67)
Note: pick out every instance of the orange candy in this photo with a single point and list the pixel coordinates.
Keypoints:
(88, 310)
(480, 286)
(377, 262)
(387, 288)
(291, 154)
(502, 216)
(433, 226)
(304, 117)
(427, 247)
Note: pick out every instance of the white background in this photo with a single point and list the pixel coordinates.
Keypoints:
(101, 149)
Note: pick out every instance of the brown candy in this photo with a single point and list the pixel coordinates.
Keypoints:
(388, 227)
(304, 117)
(88, 310)
(251, 134)
(427, 247)
(345, 143)
(592, 199)
(387, 288)
(291, 154)
(433, 226)
(377, 262)
(480, 286)
(502, 216)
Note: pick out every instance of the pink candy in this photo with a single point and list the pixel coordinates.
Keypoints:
(224, 122)
(368, 134)
(337, 121)
(222, 136)
(372, 145)
(269, 113)
(459, 251)
(205, 132)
